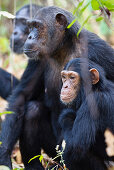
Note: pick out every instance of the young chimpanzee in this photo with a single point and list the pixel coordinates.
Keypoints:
(17, 40)
(49, 46)
(89, 97)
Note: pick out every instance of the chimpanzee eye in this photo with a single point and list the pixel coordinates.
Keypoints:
(72, 77)
(30, 28)
(23, 21)
(63, 77)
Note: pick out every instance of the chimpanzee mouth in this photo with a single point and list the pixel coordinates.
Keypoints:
(17, 48)
(32, 54)
(67, 99)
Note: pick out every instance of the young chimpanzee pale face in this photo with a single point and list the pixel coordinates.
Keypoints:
(71, 86)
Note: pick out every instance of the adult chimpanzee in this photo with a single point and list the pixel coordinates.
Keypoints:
(21, 30)
(50, 45)
(17, 41)
(7, 83)
(90, 100)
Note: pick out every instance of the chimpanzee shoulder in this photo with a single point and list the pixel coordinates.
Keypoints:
(8, 83)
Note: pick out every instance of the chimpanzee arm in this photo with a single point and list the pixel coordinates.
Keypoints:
(11, 127)
(66, 119)
(81, 136)
(7, 83)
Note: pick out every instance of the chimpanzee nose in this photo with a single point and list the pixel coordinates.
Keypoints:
(29, 37)
(15, 32)
(66, 86)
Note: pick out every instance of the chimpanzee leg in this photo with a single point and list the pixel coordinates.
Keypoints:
(7, 147)
(37, 134)
(89, 162)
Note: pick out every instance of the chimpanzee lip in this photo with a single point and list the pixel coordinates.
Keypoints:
(63, 97)
(29, 50)
(67, 100)
(32, 54)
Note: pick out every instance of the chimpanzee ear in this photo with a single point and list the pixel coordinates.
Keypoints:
(94, 75)
(61, 20)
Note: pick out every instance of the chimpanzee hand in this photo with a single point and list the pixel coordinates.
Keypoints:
(66, 119)
(32, 110)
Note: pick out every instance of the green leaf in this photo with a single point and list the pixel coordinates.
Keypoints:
(95, 4)
(6, 112)
(79, 5)
(4, 44)
(0, 143)
(70, 25)
(40, 158)
(112, 10)
(108, 3)
(83, 9)
(99, 19)
(83, 25)
(6, 62)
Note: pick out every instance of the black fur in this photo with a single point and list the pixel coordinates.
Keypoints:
(50, 45)
(17, 40)
(21, 30)
(84, 124)
(7, 83)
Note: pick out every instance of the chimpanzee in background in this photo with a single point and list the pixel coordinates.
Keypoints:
(7, 83)
(50, 45)
(21, 30)
(17, 40)
(89, 97)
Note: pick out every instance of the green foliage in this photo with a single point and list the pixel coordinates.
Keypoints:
(6, 62)
(79, 5)
(4, 45)
(70, 25)
(40, 158)
(6, 112)
(109, 4)
(95, 4)
(83, 25)
(99, 18)
(104, 7)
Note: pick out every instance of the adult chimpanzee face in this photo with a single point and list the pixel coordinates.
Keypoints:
(19, 34)
(36, 41)
(46, 34)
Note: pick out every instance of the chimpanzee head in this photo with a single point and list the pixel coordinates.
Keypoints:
(74, 78)
(21, 30)
(48, 32)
